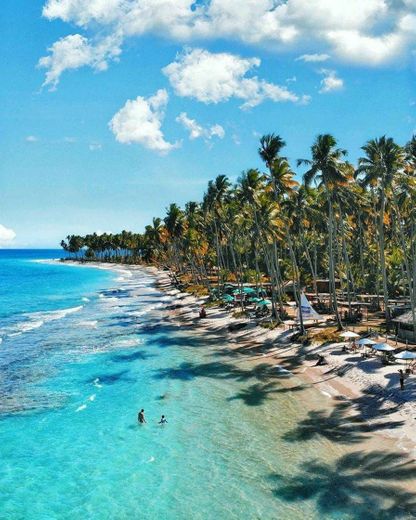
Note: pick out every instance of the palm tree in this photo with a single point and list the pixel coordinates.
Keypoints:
(383, 160)
(327, 166)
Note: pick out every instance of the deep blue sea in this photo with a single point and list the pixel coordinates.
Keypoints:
(83, 349)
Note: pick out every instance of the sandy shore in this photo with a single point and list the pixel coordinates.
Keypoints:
(360, 388)
(365, 394)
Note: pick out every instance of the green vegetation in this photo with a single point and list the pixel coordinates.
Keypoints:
(354, 226)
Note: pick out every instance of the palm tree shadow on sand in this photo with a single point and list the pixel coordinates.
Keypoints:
(341, 424)
(360, 485)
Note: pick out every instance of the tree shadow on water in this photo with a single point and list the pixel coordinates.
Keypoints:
(218, 370)
(133, 356)
(111, 378)
(257, 394)
(360, 485)
(337, 425)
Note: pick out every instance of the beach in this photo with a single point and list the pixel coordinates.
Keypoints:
(245, 425)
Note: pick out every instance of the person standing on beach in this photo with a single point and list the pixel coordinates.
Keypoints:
(401, 376)
(141, 418)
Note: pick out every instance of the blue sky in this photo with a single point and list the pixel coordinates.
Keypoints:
(232, 69)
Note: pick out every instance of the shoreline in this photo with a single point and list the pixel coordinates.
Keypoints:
(384, 413)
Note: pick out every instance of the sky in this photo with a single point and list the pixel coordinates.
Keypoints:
(113, 109)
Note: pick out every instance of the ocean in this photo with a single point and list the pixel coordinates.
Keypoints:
(83, 349)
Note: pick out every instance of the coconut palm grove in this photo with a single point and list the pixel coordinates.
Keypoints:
(350, 225)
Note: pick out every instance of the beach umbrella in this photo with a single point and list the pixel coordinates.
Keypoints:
(383, 347)
(249, 290)
(406, 355)
(366, 341)
(264, 302)
(349, 334)
(227, 298)
(255, 299)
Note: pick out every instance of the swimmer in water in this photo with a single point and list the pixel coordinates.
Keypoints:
(141, 417)
(163, 420)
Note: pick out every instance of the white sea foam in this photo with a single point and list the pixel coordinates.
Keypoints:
(35, 320)
(92, 397)
(96, 383)
(91, 323)
(85, 299)
(129, 342)
(80, 408)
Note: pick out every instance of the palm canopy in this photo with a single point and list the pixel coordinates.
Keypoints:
(326, 164)
(270, 146)
(383, 159)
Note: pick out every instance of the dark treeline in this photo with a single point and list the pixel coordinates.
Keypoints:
(352, 225)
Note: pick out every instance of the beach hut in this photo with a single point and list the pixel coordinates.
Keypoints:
(404, 327)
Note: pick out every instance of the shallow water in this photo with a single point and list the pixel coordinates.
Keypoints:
(71, 387)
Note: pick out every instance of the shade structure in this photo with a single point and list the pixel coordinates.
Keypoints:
(227, 298)
(366, 341)
(383, 347)
(245, 290)
(406, 354)
(264, 302)
(349, 334)
(254, 299)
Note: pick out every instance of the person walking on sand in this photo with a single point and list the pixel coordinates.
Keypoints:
(401, 377)
(141, 418)
(202, 313)
(163, 420)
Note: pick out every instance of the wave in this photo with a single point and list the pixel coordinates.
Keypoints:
(35, 320)
(88, 323)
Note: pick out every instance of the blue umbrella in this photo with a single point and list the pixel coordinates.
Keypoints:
(383, 347)
(366, 341)
(406, 354)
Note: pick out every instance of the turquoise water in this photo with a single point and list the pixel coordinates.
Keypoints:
(84, 349)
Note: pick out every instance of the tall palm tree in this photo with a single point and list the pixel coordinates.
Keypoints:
(326, 166)
(383, 159)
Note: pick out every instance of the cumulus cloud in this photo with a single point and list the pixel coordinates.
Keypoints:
(7, 235)
(31, 139)
(75, 51)
(140, 121)
(330, 81)
(212, 78)
(370, 32)
(313, 58)
(196, 130)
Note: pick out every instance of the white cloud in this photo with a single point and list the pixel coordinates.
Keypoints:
(32, 139)
(370, 32)
(196, 130)
(140, 121)
(94, 147)
(212, 78)
(75, 51)
(7, 235)
(330, 81)
(313, 58)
